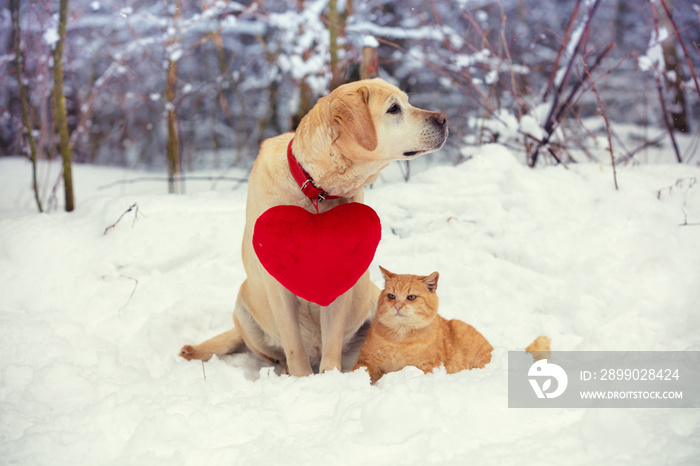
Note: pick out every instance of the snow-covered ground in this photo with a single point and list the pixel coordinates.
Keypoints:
(91, 323)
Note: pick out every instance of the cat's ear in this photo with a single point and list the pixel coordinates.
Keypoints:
(386, 274)
(431, 281)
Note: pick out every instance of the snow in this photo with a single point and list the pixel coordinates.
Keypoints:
(304, 34)
(654, 58)
(91, 323)
(491, 77)
(175, 54)
(416, 33)
(370, 41)
(571, 47)
(126, 12)
(51, 36)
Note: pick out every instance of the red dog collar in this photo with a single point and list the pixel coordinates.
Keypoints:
(305, 182)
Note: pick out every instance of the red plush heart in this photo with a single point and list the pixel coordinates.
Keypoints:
(317, 257)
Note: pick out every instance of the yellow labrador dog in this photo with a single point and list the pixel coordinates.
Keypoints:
(342, 144)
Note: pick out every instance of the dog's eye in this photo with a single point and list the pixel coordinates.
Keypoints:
(411, 297)
(394, 109)
(391, 296)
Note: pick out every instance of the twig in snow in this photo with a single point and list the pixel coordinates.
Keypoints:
(680, 183)
(605, 118)
(551, 151)
(136, 214)
(685, 213)
(53, 199)
(203, 371)
(136, 284)
(406, 172)
(686, 184)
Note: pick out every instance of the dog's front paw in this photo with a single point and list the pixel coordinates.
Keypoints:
(189, 352)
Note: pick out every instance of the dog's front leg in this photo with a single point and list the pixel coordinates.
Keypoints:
(333, 321)
(284, 308)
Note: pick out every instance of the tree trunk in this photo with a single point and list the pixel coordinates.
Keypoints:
(271, 120)
(14, 8)
(305, 103)
(59, 103)
(333, 26)
(173, 145)
(370, 60)
(672, 75)
(336, 29)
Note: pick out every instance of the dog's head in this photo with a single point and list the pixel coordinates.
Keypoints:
(372, 120)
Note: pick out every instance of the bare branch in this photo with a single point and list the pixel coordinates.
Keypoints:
(567, 37)
(630, 154)
(551, 121)
(136, 214)
(26, 121)
(605, 118)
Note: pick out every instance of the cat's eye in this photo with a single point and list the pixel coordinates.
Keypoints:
(394, 109)
(411, 297)
(391, 296)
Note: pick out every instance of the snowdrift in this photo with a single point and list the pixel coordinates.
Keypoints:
(91, 323)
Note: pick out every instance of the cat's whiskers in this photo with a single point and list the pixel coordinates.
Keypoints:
(419, 321)
(404, 321)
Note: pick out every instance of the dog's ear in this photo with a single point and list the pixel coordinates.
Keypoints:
(350, 113)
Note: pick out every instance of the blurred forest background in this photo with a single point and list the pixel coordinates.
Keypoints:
(185, 84)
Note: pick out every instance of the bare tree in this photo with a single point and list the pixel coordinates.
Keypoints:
(26, 121)
(173, 51)
(677, 109)
(336, 28)
(213, 78)
(59, 102)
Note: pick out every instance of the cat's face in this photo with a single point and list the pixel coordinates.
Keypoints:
(408, 301)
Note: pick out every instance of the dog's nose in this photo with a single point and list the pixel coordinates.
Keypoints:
(440, 118)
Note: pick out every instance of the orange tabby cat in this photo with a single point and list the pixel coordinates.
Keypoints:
(407, 331)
